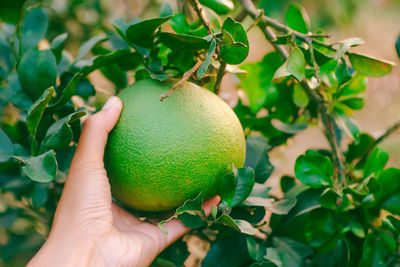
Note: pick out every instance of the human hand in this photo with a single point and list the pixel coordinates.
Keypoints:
(88, 229)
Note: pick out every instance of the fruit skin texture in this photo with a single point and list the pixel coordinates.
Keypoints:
(163, 153)
(221, 7)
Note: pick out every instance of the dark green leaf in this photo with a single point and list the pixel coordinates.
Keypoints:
(314, 169)
(379, 247)
(343, 72)
(370, 66)
(236, 186)
(287, 183)
(294, 65)
(183, 41)
(389, 184)
(60, 135)
(398, 46)
(166, 10)
(57, 45)
(180, 25)
(376, 162)
(40, 194)
(232, 244)
(6, 147)
(239, 225)
(67, 91)
(142, 33)
(360, 146)
(33, 27)
(175, 254)
(297, 18)
(257, 158)
(204, 66)
(88, 45)
(256, 249)
(329, 199)
(321, 227)
(42, 168)
(37, 71)
(287, 252)
(231, 53)
(85, 88)
(284, 39)
(35, 112)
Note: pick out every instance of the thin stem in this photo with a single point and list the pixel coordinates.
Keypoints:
(221, 72)
(185, 77)
(327, 119)
(199, 11)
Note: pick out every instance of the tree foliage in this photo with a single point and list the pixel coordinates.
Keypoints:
(340, 209)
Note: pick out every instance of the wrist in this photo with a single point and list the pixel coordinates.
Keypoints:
(68, 251)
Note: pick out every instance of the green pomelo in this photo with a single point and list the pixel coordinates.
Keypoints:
(163, 153)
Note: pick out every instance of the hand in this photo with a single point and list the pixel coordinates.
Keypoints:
(90, 230)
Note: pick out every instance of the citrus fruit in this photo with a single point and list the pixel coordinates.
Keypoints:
(162, 153)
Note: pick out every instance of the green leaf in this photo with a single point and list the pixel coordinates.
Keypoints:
(42, 168)
(88, 45)
(398, 46)
(295, 65)
(230, 52)
(142, 33)
(359, 147)
(282, 206)
(239, 225)
(6, 147)
(37, 71)
(57, 45)
(258, 84)
(33, 27)
(389, 183)
(329, 199)
(60, 134)
(180, 25)
(287, 252)
(297, 18)
(284, 39)
(221, 7)
(166, 10)
(67, 92)
(376, 162)
(289, 128)
(236, 186)
(345, 45)
(35, 112)
(320, 227)
(370, 66)
(13, 93)
(204, 66)
(258, 159)
(183, 41)
(379, 247)
(314, 169)
(190, 213)
(40, 194)
(300, 97)
(287, 183)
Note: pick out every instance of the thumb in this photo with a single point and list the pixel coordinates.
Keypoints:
(95, 132)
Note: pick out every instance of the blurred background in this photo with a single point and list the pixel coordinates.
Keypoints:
(377, 22)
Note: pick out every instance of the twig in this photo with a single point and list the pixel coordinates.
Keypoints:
(185, 77)
(391, 130)
(199, 11)
(314, 62)
(326, 117)
(221, 72)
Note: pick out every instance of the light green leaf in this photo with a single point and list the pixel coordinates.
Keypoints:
(370, 66)
(345, 45)
(300, 98)
(42, 168)
(376, 162)
(204, 66)
(233, 52)
(295, 65)
(297, 18)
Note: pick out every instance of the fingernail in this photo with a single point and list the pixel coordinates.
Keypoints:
(111, 102)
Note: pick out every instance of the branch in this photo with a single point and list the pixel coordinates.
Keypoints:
(199, 11)
(221, 72)
(327, 119)
(185, 77)
(254, 13)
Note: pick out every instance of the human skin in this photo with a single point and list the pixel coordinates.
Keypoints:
(88, 228)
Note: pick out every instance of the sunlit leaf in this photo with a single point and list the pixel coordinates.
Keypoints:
(294, 65)
(297, 18)
(370, 66)
(230, 52)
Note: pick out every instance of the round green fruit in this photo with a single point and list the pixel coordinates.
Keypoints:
(163, 153)
(221, 7)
